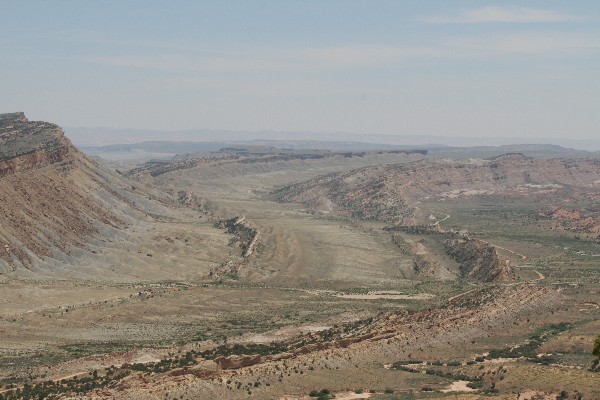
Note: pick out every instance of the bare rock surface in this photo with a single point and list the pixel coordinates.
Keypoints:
(478, 259)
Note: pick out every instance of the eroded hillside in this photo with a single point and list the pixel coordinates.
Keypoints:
(54, 201)
(389, 192)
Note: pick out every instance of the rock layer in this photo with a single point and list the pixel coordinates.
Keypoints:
(53, 199)
(26, 145)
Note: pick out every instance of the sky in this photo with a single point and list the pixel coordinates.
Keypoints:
(423, 67)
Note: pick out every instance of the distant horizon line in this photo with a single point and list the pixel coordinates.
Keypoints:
(79, 135)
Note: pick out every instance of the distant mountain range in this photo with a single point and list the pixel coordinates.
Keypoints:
(94, 137)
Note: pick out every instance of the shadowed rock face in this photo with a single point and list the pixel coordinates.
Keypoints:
(478, 260)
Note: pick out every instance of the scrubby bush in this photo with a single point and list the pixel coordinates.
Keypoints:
(596, 350)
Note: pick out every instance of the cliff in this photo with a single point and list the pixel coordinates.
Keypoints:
(26, 145)
(53, 199)
(478, 259)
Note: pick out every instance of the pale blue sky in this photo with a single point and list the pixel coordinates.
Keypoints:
(454, 68)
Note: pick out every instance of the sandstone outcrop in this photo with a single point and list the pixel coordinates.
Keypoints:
(27, 145)
(478, 259)
(575, 220)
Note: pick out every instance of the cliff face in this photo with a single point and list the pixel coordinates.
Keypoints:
(52, 198)
(25, 145)
(478, 260)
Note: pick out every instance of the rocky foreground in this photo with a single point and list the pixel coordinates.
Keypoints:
(279, 368)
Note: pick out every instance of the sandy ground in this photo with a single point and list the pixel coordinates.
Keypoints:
(387, 295)
(458, 386)
(338, 396)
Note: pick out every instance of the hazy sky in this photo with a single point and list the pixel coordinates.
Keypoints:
(456, 68)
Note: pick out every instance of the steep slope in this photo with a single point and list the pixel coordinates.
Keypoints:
(478, 259)
(389, 192)
(53, 199)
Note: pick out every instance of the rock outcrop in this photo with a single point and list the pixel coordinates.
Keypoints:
(478, 260)
(157, 168)
(581, 220)
(244, 234)
(483, 307)
(27, 145)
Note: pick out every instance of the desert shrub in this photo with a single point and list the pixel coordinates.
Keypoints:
(596, 350)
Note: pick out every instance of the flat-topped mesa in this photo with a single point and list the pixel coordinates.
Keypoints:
(26, 145)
